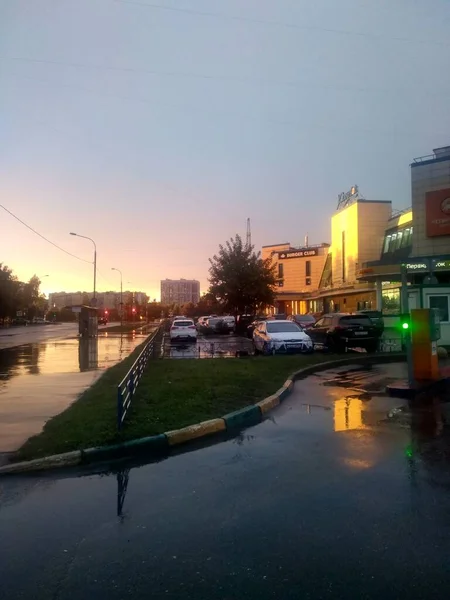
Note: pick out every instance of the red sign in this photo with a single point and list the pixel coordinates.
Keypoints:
(438, 212)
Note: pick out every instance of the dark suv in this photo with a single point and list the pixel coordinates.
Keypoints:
(376, 316)
(339, 331)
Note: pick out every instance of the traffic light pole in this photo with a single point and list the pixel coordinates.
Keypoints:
(404, 307)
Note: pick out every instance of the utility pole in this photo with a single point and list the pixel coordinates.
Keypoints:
(94, 300)
(121, 295)
(248, 242)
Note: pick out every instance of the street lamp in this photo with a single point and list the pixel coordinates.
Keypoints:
(95, 261)
(121, 292)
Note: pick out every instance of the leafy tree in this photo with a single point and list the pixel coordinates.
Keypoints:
(240, 279)
(8, 292)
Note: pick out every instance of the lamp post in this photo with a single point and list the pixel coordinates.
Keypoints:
(95, 262)
(121, 294)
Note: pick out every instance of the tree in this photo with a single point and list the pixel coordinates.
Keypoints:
(8, 292)
(240, 279)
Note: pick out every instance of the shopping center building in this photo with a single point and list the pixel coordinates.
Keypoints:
(419, 239)
(369, 244)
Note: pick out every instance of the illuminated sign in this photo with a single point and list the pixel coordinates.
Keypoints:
(418, 267)
(438, 212)
(441, 265)
(347, 198)
(303, 253)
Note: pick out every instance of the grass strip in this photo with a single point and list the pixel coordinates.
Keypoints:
(171, 394)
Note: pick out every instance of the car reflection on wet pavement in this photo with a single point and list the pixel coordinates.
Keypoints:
(208, 347)
(38, 381)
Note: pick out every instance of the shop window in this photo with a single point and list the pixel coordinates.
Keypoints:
(406, 240)
(391, 301)
(441, 303)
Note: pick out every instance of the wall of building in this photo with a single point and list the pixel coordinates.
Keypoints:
(428, 177)
(180, 291)
(357, 233)
(268, 251)
(295, 271)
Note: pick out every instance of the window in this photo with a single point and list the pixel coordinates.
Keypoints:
(441, 303)
(355, 321)
(280, 271)
(393, 243)
(275, 327)
(391, 301)
(308, 268)
(308, 281)
(387, 241)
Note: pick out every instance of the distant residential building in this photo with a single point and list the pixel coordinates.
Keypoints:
(180, 291)
(105, 300)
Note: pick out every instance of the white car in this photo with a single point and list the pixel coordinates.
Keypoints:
(183, 330)
(270, 337)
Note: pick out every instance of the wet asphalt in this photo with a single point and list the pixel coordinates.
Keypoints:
(40, 379)
(340, 493)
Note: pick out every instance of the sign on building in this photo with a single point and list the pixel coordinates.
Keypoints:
(438, 212)
(301, 253)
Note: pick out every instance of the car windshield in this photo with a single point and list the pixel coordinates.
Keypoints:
(355, 321)
(275, 327)
(182, 323)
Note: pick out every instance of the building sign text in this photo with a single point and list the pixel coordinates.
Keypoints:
(302, 253)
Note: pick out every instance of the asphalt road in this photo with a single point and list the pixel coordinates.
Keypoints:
(329, 499)
(40, 380)
(31, 334)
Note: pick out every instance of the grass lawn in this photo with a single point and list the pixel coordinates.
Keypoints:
(171, 394)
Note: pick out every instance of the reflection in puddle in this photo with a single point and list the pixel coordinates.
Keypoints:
(38, 381)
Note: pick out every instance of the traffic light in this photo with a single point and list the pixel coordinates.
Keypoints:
(405, 322)
(133, 310)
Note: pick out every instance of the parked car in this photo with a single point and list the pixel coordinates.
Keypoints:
(102, 321)
(339, 331)
(270, 337)
(305, 321)
(242, 322)
(39, 321)
(230, 322)
(20, 321)
(253, 325)
(277, 317)
(183, 330)
(376, 316)
(217, 325)
(201, 322)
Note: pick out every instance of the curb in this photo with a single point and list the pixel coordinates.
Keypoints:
(161, 444)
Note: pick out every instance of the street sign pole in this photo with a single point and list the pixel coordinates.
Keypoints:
(404, 308)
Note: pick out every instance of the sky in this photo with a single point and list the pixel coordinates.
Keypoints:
(158, 128)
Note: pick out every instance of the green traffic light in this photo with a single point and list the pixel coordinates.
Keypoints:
(405, 325)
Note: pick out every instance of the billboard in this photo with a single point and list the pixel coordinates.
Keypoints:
(301, 253)
(438, 212)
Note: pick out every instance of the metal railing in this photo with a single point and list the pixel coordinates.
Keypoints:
(127, 387)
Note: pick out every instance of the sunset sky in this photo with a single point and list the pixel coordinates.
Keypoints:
(158, 128)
